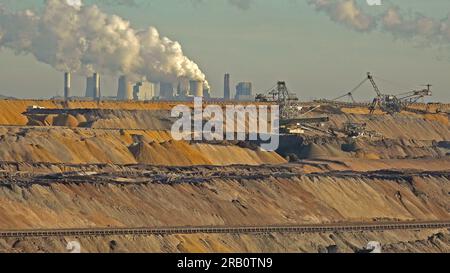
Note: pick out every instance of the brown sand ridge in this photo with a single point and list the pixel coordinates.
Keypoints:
(79, 146)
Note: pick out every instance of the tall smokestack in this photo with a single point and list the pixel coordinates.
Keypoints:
(67, 79)
(226, 87)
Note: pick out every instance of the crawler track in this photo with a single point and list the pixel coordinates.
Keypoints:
(224, 230)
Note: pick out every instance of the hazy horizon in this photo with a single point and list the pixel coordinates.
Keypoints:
(262, 42)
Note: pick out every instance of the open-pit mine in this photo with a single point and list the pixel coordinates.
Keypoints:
(110, 176)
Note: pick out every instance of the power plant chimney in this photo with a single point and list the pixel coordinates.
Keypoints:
(67, 78)
(226, 88)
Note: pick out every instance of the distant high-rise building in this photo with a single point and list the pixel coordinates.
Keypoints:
(196, 88)
(226, 87)
(166, 90)
(124, 91)
(244, 91)
(144, 91)
(67, 79)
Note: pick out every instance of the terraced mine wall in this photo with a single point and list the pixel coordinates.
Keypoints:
(138, 196)
(116, 165)
(235, 196)
(400, 136)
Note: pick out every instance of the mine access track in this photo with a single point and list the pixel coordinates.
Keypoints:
(356, 227)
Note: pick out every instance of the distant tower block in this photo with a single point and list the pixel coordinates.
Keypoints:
(196, 88)
(226, 87)
(67, 79)
(166, 90)
(96, 80)
(125, 91)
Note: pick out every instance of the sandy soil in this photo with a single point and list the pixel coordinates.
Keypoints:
(431, 241)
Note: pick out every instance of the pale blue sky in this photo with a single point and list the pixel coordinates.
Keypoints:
(272, 40)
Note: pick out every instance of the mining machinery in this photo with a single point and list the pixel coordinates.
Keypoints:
(292, 119)
(387, 103)
(288, 102)
(353, 130)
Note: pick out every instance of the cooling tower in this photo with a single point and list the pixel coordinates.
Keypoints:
(206, 91)
(125, 91)
(90, 87)
(196, 88)
(183, 87)
(96, 82)
(67, 79)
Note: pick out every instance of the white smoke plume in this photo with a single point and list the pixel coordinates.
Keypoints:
(82, 39)
(417, 26)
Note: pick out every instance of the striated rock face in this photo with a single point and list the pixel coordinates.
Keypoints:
(401, 126)
(402, 136)
(236, 196)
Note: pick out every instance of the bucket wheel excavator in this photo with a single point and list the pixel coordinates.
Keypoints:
(391, 104)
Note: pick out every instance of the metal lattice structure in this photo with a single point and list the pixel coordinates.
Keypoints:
(288, 102)
(387, 103)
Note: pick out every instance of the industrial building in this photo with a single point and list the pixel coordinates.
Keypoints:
(244, 91)
(124, 91)
(144, 91)
(166, 90)
(226, 87)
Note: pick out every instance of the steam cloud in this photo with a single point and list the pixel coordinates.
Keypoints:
(345, 12)
(393, 21)
(82, 39)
